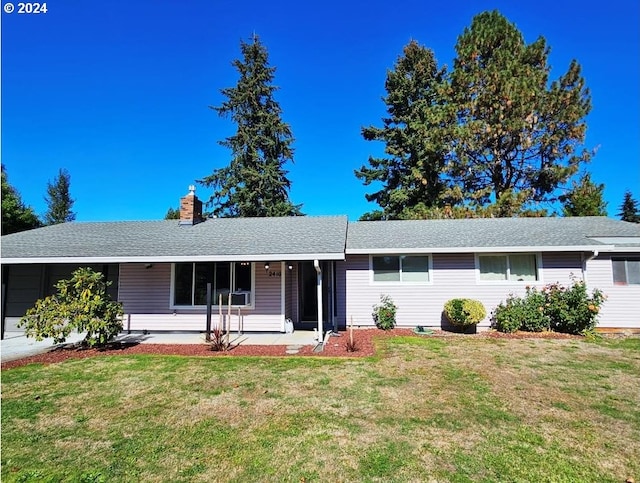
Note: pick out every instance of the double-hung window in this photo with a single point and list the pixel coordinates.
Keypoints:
(626, 271)
(513, 267)
(400, 268)
(228, 279)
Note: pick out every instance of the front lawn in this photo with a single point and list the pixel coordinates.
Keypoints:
(427, 409)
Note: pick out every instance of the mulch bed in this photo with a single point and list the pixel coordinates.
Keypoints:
(336, 347)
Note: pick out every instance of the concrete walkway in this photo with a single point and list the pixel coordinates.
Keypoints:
(16, 346)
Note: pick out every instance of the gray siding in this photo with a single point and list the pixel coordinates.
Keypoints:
(24, 287)
(27, 283)
(145, 290)
(452, 276)
(622, 307)
(146, 295)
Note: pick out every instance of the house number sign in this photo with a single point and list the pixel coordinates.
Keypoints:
(273, 273)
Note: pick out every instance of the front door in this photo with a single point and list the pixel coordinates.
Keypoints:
(308, 294)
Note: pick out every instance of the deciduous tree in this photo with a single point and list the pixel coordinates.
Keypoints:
(255, 182)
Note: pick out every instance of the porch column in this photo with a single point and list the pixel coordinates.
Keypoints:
(316, 265)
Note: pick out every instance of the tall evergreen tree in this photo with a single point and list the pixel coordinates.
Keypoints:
(413, 136)
(584, 199)
(629, 210)
(59, 200)
(493, 137)
(517, 138)
(16, 216)
(255, 182)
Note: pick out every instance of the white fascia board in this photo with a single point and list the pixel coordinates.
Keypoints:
(496, 249)
(170, 259)
(623, 249)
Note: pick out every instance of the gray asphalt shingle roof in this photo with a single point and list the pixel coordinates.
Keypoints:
(244, 238)
(485, 233)
(309, 237)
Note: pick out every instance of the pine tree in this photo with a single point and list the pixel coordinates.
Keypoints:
(629, 210)
(172, 214)
(413, 137)
(59, 200)
(255, 182)
(584, 199)
(16, 216)
(517, 138)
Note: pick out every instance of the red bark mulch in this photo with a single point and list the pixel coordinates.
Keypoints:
(336, 347)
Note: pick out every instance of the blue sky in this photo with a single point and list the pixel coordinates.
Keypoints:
(117, 92)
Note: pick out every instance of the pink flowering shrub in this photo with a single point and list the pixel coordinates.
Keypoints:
(570, 310)
(384, 313)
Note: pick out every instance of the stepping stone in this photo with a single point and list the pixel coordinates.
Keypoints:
(293, 349)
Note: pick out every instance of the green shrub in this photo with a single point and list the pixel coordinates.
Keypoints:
(522, 313)
(384, 313)
(464, 312)
(562, 309)
(82, 304)
(507, 317)
(571, 309)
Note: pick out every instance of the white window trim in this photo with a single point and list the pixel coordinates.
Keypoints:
(539, 270)
(199, 308)
(400, 282)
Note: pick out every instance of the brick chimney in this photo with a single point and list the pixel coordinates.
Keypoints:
(190, 208)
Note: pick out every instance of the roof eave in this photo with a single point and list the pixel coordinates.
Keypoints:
(171, 259)
(492, 249)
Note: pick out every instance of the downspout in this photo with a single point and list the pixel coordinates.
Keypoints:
(316, 265)
(584, 264)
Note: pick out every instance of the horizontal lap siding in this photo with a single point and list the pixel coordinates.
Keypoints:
(146, 295)
(622, 307)
(452, 276)
(267, 315)
(145, 290)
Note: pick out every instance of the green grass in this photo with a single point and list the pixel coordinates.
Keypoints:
(457, 409)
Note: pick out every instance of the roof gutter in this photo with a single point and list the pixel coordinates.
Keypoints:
(492, 249)
(182, 258)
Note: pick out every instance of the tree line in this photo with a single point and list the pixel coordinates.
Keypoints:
(18, 216)
(493, 136)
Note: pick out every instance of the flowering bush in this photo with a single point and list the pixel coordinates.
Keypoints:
(571, 309)
(563, 309)
(384, 313)
(464, 312)
(522, 313)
